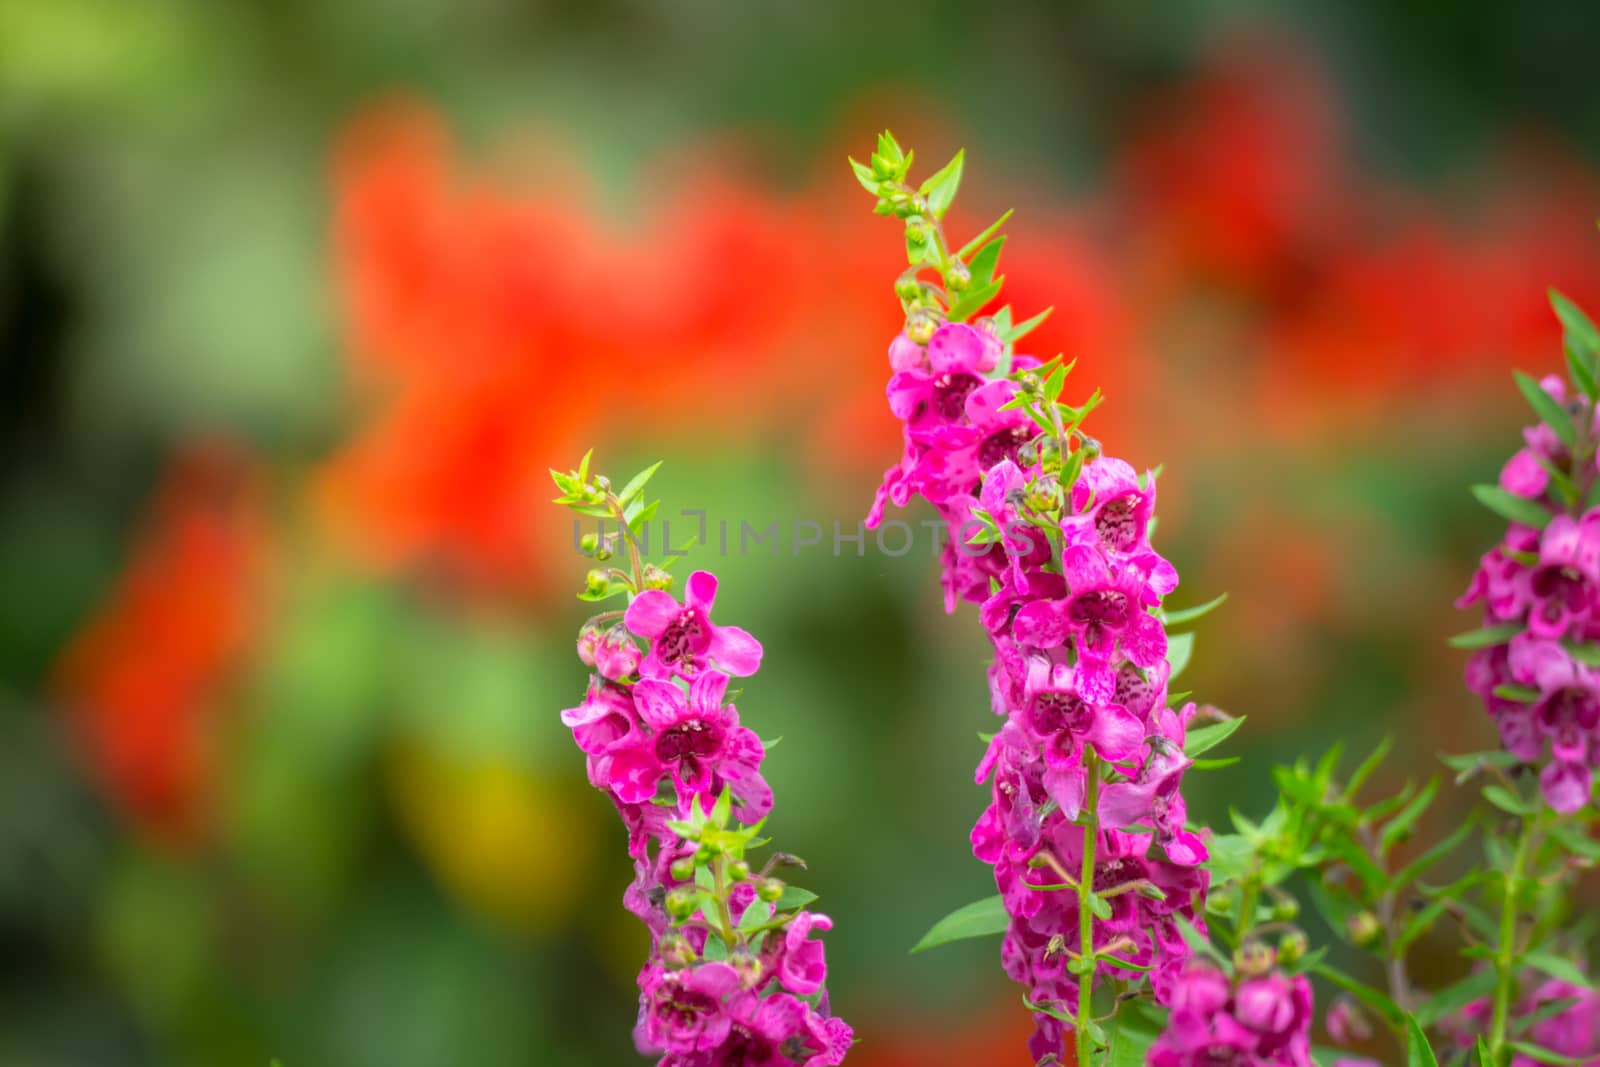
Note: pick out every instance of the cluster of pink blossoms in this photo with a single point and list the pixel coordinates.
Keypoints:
(1079, 676)
(663, 744)
(1543, 587)
(1264, 1020)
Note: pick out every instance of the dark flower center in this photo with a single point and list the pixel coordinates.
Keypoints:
(950, 392)
(1570, 710)
(689, 740)
(1133, 689)
(1564, 585)
(1117, 522)
(1002, 444)
(1115, 872)
(1054, 712)
(684, 1009)
(677, 642)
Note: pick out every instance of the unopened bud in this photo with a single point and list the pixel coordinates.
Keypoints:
(1363, 928)
(588, 643)
(1254, 959)
(604, 552)
(920, 326)
(602, 483)
(596, 581)
(908, 289)
(748, 969)
(681, 903)
(676, 952)
(1291, 947)
(770, 890)
(1045, 496)
(916, 232)
(683, 869)
(656, 578)
(738, 870)
(958, 277)
(589, 543)
(1030, 383)
(1285, 910)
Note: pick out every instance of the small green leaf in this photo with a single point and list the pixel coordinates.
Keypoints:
(940, 189)
(1023, 329)
(1504, 799)
(1539, 1054)
(1100, 907)
(864, 175)
(1586, 654)
(973, 300)
(1215, 764)
(984, 264)
(1418, 1052)
(757, 913)
(1485, 1057)
(1178, 618)
(1522, 694)
(1207, 738)
(1582, 369)
(1398, 828)
(1179, 648)
(988, 232)
(1423, 863)
(1581, 334)
(1487, 637)
(639, 481)
(1548, 409)
(795, 897)
(1511, 507)
(981, 918)
(1558, 967)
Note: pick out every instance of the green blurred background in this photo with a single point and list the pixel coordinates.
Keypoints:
(298, 300)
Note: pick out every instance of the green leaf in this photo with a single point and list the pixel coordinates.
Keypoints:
(1575, 841)
(1558, 967)
(1359, 776)
(981, 918)
(983, 264)
(1586, 654)
(1581, 334)
(1207, 738)
(1548, 409)
(1135, 1027)
(940, 189)
(1522, 694)
(864, 175)
(1485, 1057)
(1423, 863)
(973, 300)
(1582, 369)
(1511, 507)
(988, 232)
(1178, 618)
(1023, 329)
(757, 913)
(1504, 799)
(1379, 1001)
(1215, 764)
(639, 481)
(1544, 1055)
(1487, 637)
(1418, 1052)
(1100, 907)
(1179, 648)
(1398, 828)
(795, 897)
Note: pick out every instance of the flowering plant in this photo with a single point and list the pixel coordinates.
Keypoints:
(1153, 940)
(736, 975)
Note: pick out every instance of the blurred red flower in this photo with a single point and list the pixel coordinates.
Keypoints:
(144, 681)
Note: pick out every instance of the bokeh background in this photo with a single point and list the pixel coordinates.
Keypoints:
(299, 300)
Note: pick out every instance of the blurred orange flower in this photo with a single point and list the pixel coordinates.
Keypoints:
(144, 681)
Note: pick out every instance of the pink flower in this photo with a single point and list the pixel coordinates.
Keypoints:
(1264, 1022)
(801, 967)
(691, 1010)
(683, 639)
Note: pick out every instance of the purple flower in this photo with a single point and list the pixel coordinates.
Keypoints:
(801, 967)
(1110, 509)
(1263, 1022)
(696, 740)
(683, 639)
(691, 1010)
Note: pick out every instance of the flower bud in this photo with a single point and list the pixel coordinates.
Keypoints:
(656, 578)
(1292, 947)
(596, 581)
(681, 903)
(589, 544)
(770, 890)
(588, 642)
(604, 552)
(676, 952)
(683, 868)
(916, 231)
(1363, 928)
(958, 277)
(908, 289)
(1044, 497)
(1254, 959)
(602, 483)
(1285, 910)
(747, 967)
(920, 326)
(738, 870)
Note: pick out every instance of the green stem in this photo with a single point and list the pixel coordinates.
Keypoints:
(723, 912)
(1249, 895)
(1091, 837)
(1506, 955)
(627, 535)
